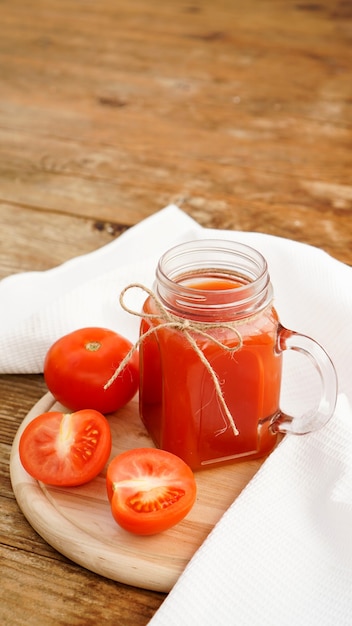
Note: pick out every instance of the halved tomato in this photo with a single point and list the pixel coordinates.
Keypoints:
(66, 449)
(149, 490)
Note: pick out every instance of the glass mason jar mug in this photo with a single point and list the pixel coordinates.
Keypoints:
(211, 361)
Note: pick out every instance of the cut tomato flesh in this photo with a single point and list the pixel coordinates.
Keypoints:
(150, 490)
(154, 499)
(66, 449)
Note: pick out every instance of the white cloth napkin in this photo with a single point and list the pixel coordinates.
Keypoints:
(36, 308)
(282, 554)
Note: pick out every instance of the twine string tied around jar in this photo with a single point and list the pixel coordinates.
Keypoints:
(186, 326)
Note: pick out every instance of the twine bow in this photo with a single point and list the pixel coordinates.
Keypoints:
(186, 327)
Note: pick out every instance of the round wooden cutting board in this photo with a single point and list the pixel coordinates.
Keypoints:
(78, 522)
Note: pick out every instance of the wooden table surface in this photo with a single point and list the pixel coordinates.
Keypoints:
(239, 111)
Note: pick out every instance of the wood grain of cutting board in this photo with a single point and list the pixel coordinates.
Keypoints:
(78, 523)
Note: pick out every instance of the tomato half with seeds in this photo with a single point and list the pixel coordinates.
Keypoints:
(149, 490)
(78, 366)
(66, 449)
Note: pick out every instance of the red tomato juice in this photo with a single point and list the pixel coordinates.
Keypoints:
(178, 400)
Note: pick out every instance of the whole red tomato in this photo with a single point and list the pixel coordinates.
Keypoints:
(78, 365)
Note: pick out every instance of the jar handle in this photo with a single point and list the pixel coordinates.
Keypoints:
(314, 419)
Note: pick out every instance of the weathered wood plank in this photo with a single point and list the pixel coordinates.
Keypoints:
(32, 239)
(255, 114)
(58, 592)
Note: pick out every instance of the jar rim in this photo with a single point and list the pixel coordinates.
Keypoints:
(222, 255)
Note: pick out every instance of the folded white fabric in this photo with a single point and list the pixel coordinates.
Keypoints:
(36, 308)
(312, 290)
(282, 553)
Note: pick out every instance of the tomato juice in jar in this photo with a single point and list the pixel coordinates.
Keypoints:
(217, 294)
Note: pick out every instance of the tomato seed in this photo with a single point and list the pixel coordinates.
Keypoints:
(154, 499)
